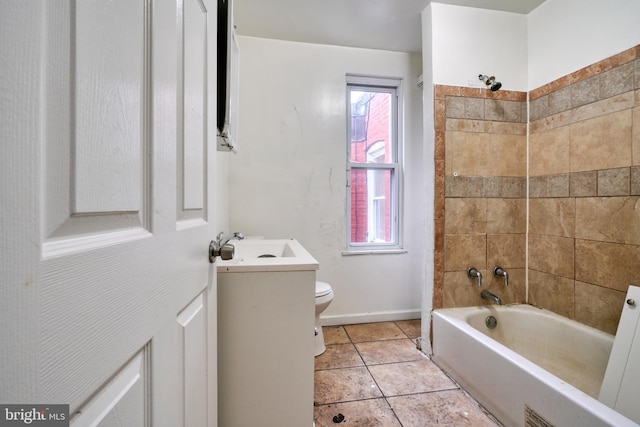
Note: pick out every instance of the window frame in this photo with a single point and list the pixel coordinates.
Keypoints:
(395, 87)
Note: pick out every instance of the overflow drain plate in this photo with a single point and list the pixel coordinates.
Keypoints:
(491, 322)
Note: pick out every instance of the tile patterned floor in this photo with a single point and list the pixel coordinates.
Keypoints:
(373, 375)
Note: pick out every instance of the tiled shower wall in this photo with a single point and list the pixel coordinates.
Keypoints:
(481, 193)
(583, 189)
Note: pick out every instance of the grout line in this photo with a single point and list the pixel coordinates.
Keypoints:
(422, 355)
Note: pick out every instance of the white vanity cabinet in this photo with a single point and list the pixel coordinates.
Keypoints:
(266, 319)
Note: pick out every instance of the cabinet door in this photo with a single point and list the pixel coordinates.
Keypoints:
(621, 384)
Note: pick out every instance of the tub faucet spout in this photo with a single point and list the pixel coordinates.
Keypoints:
(485, 294)
(499, 271)
(473, 273)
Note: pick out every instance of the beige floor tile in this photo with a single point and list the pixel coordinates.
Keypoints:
(447, 408)
(374, 332)
(410, 327)
(339, 356)
(343, 385)
(390, 351)
(334, 335)
(421, 376)
(366, 413)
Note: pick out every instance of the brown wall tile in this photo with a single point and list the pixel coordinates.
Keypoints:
(539, 108)
(614, 182)
(506, 250)
(537, 186)
(468, 153)
(598, 307)
(585, 91)
(550, 152)
(588, 148)
(636, 132)
(558, 185)
(609, 219)
(506, 215)
(635, 181)
(507, 155)
(505, 186)
(462, 251)
(551, 254)
(583, 184)
(460, 291)
(552, 217)
(463, 186)
(552, 292)
(473, 108)
(610, 265)
(465, 215)
(560, 100)
(606, 106)
(616, 80)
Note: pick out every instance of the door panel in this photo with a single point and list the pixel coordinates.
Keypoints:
(125, 397)
(193, 94)
(97, 117)
(109, 54)
(107, 283)
(193, 320)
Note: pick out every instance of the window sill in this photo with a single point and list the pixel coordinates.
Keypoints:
(395, 251)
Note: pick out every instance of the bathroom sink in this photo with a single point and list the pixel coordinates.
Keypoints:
(268, 255)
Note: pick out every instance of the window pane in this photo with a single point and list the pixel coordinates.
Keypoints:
(371, 205)
(371, 124)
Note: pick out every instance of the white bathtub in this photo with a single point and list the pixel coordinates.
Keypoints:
(534, 364)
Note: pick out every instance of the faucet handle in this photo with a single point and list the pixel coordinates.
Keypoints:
(473, 273)
(499, 271)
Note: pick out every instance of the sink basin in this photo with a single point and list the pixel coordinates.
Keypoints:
(268, 255)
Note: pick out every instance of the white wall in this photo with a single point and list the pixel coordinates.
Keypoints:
(468, 41)
(567, 35)
(288, 178)
(525, 52)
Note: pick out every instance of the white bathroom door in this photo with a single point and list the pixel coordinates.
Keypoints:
(108, 299)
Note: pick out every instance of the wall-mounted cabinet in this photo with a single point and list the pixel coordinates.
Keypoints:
(227, 81)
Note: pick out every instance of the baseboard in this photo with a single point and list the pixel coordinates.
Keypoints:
(382, 316)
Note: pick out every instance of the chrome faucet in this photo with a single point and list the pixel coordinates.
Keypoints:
(473, 273)
(485, 294)
(499, 271)
(224, 240)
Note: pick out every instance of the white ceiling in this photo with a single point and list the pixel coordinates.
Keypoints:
(376, 24)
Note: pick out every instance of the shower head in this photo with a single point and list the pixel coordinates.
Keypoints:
(490, 81)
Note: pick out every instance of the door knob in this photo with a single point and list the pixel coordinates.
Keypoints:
(225, 251)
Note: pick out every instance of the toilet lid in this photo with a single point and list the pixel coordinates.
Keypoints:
(322, 289)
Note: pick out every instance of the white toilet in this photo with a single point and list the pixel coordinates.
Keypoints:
(324, 296)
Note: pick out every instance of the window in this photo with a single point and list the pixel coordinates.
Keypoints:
(373, 171)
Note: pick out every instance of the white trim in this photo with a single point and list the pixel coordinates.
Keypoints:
(380, 316)
(395, 86)
(384, 250)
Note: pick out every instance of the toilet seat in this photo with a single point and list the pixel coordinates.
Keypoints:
(322, 289)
